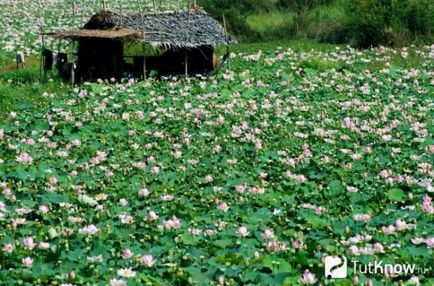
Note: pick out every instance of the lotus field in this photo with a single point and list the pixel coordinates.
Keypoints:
(24, 20)
(250, 177)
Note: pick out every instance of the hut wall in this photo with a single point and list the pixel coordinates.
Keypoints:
(99, 59)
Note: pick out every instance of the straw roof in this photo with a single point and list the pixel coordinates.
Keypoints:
(121, 34)
(186, 28)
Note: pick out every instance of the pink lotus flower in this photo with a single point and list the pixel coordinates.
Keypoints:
(352, 189)
(417, 240)
(140, 115)
(52, 180)
(209, 179)
(426, 205)
(414, 280)
(242, 231)
(6, 192)
(8, 248)
(152, 216)
(217, 149)
(362, 217)
(99, 158)
(155, 170)
(224, 207)
(385, 173)
(240, 188)
(308, 278)
(297, 243)
(268, 234)
(44, 245)
(167, 198)
(258, 144)
(143, 192)
(24, 158)
(194, 231)
(319, 210)
(126, 219)
(29, 243)
(27, 262)
(306, 152)
(378, 247)
(140, 165)
(388, 229)
(368, 149)
(275, 246)
(118, 282)
(401, 225)
(147, 260)
(127, 253)
(126, 272)
(89, 230)
(43, 209)
(172, 223)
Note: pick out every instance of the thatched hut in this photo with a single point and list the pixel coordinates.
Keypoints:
(187, 37)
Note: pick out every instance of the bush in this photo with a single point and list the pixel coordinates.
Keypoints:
(328, 23)
(363, 23)
(389, 22)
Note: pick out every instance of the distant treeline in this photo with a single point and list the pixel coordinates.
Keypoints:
(362, 23)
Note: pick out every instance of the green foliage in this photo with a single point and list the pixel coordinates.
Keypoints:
(297, 143)
(272, 25)
(234, 14)
(327, 23)
(363, 23)
(390, 22)
(24, 88)
(396, 195)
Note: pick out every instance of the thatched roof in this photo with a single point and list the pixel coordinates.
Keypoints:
(187, 28)
(121, 34)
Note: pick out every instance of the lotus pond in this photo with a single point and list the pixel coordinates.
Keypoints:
(250, 177)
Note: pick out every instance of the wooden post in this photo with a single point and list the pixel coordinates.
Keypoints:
(186, 62)
(226, 38)
(144, 65)
(42, 56)
(41, 31)
(188, 38)
(143, 45)
(73, 73)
